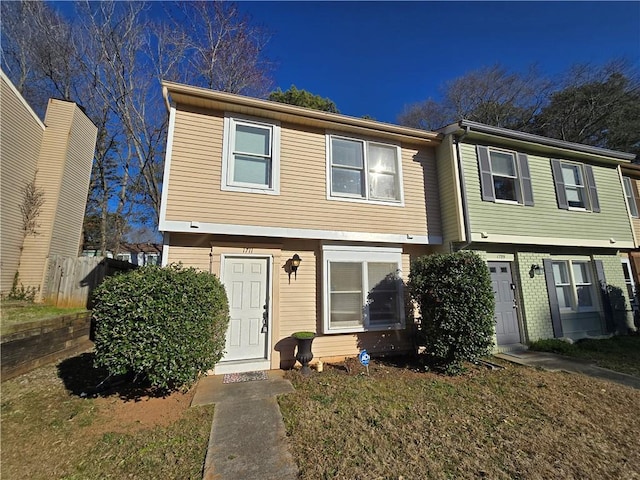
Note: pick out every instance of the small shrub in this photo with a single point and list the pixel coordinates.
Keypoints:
(21, 293)
(164, 324)
(457, 306)
(553, 345)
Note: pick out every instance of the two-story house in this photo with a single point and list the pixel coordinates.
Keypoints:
(550, 218)
(309, 218)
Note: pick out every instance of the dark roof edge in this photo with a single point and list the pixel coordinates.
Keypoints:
(468, 125)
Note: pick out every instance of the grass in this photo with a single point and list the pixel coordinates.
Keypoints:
(49, 432)
(619, 353)
(14, 313)
(513, 423)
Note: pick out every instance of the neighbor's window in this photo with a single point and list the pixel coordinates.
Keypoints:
(628, 193)
(251, 155)
(504, 176)
(363, 289)
(629, 283)
(574, 285)
(364, 170)
(575, 186)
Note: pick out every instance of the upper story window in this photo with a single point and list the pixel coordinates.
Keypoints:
(364, 170)
(575, 186)
(363, 289)
(504, 176)
(251, 155)
(628, 193)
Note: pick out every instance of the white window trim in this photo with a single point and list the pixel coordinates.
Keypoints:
(358, 199)
(629, 196)
(585, 188)
(227, 151)
(339, 253)
(632, 282)
(517, 178)
(574, 291)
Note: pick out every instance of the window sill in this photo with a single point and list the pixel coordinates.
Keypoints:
(377, 328)
(578, 209)
(243, 189)
(390, 203)
(508, 202)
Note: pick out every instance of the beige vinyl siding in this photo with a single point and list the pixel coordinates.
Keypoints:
(297, 302)
(20, 138)
(67, 146)
(194, 186)
(545, 219)
(74, 186)
(449, 193)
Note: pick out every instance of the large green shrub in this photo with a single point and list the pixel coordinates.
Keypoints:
(166, 325)
(457, 306)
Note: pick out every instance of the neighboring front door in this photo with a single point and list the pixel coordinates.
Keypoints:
(247, 282)
(507, 329)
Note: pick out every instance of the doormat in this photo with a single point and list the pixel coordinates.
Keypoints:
(244, 377)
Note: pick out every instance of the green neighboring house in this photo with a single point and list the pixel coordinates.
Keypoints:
(550, 218)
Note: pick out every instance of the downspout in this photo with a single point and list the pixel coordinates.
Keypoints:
(463, 189)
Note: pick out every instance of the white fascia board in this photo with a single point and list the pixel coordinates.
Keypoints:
(551, 241)
(167, 165)
(284, 232)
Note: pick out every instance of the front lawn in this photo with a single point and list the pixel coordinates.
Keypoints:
(620, 353)
(512, 423)
(49, 431)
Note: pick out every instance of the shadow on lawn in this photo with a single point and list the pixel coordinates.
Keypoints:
(82, 379)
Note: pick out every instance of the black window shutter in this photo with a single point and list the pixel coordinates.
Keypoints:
(486, 180)
(561, 194)
(606, 301)
(525, 177)
(593, 191)
(556, 321)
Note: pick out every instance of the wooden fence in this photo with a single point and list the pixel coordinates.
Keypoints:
(70, 281)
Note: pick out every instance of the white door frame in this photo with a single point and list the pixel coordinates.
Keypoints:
(238, 366)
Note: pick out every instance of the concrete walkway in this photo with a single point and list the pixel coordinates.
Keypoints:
(554, 363)
(248, 439)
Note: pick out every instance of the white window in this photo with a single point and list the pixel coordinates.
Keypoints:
(574, 285)
(504, 175)
(363, 289)
(629, 282)
(363, 170)
(628, 193)
(574, 185)
(251, 155)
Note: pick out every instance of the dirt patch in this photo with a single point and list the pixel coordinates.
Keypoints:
(140, 413)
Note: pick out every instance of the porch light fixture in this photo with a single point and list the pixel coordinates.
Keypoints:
(535, 270)
(295, 263)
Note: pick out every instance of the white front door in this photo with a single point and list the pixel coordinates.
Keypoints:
(247, 282)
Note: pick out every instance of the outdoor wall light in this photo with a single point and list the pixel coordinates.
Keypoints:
(535, 270)
(295, 263)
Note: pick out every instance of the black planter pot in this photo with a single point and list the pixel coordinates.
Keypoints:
(303, 352)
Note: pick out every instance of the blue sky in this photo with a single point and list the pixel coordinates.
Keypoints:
(375, 57)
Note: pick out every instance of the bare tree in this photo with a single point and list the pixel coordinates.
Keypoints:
(489, 95)
(225, 48)
(112, 62)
